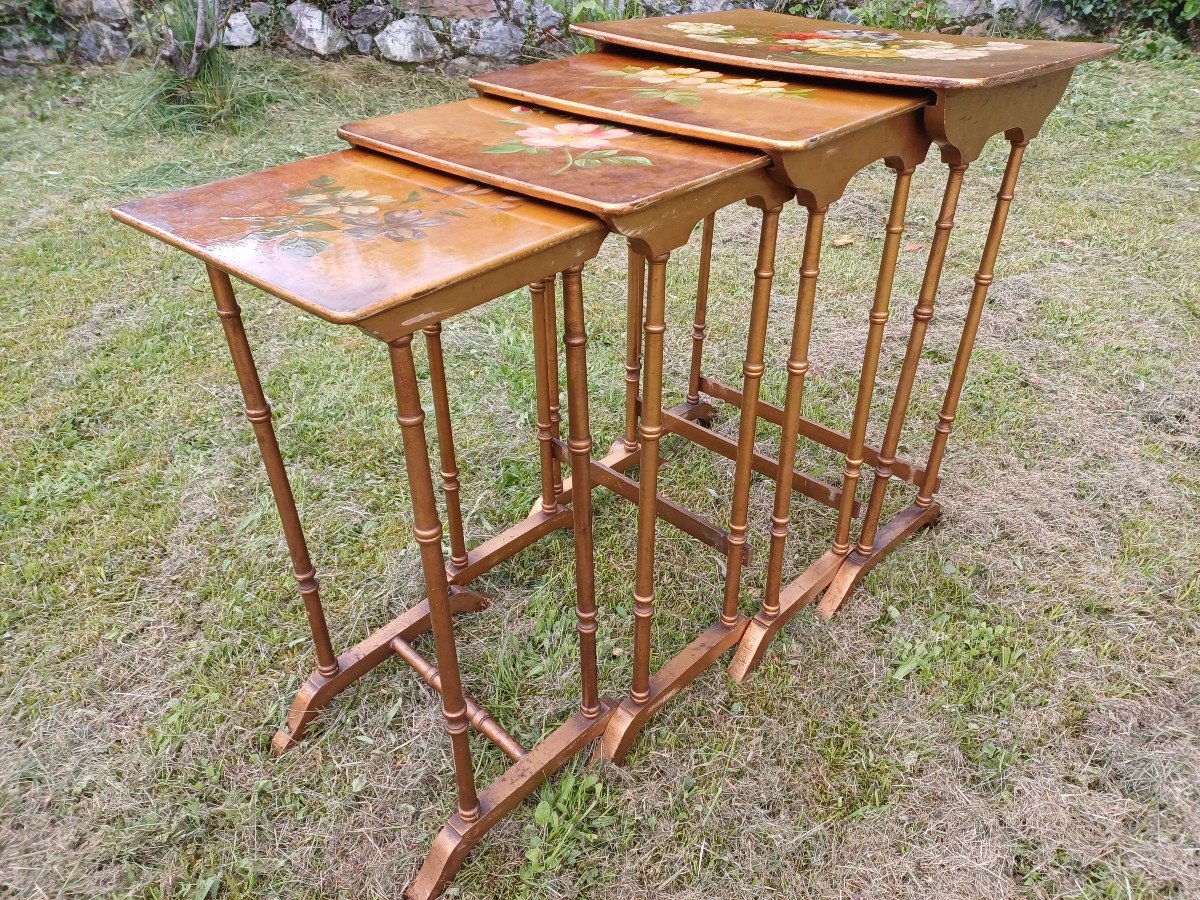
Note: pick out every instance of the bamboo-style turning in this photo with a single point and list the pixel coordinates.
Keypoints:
(427, 531)
(258, 411)
(699, 327)
(922, 313)
(793, 403)
(580, 445)
(445, 437)
(635, 304)
(649, 432)
(542, 338)
(550, 323)
(866, 383)
(479, 717)
(752, 373)
(962, 358)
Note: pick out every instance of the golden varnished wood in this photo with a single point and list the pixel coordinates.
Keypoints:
(837, 50)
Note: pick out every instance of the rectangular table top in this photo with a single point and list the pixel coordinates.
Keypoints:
(591, 166)
(798, 46)
(352, 234)
(724, 106)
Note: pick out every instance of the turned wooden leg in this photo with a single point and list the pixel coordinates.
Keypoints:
(866, 383)
(752, 373)
(698, 324)
(258, 411)
(793, 403)
(634, 311)
(446, 455)
(580, 444)
(922, 313)
(534, 766)
(427, 528)
(772, 615)
(550, 323)
(650, 431)
(545, 428)
(983, 281)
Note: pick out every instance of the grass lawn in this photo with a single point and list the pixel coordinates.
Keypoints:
(1010, 706)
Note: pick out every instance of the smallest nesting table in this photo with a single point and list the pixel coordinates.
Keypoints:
(363, 240)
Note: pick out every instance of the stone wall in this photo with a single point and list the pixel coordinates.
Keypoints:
(457, 36)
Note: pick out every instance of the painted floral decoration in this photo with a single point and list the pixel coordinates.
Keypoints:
(845, 42)
(596, 142)
(887, 45)
(713, 33)
(324, 206)
(687, 85)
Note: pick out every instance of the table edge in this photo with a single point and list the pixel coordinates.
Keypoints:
(835, 73)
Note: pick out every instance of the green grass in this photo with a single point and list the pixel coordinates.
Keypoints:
(1007, 707)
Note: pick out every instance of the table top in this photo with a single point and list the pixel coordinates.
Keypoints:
(724, 106)
(593, 166)
(352, 234)
(799, 46)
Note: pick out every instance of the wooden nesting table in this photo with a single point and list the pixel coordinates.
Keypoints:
(438, 211)
(358, 239)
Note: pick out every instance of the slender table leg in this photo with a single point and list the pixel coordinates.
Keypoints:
(776, 613)
(866, 382)
(445, 436)
(258, 411)
(774, 610)
(580, 444)
(962, 359)
(866, 554)
(551, 326)
(752, 373)
(698, 326)
(650, 431)
(648, 694)
(542, 381)
(459, 835)
(634, 313)
(797, 369)
(427, 529)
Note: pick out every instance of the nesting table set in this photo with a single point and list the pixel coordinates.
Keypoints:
(434, 212)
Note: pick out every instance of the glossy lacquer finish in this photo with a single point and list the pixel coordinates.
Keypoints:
(799, 46)
(594, 166)
(351, 235)
(716, 104)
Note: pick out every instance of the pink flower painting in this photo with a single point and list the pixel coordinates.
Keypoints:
(577, 135)
(585, 145)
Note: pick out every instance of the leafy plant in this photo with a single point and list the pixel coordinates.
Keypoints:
(811, 9)
(1170, 16)
(199, 83)
(568, 816)
(909, 15)
(37, 21)
(574, 11)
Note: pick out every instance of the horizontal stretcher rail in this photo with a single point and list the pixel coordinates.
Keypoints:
(814, 431)
(476, 714)
(763, 465)
(669, 511)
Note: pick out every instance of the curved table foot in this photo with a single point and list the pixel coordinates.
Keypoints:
(457, 838)
(856, 566)
(356, 662)
(668, 681)
(793, 598)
